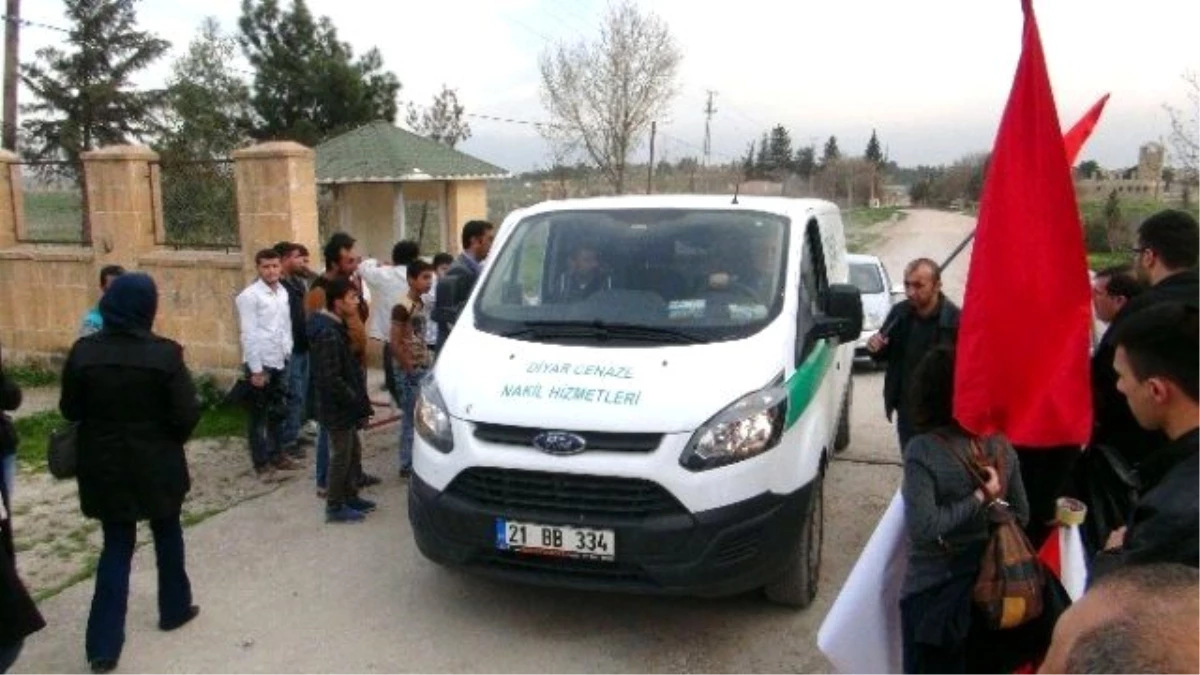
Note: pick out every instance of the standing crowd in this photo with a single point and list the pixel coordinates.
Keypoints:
(1138, 477)
(132, 406)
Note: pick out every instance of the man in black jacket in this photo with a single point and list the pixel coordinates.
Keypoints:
(1158, 369)
(294, 261)
(924, 320)
(1166, 256)
(343, 406)
(455, 287)
(1113, 289)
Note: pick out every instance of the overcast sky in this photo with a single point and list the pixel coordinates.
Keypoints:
(931, 76)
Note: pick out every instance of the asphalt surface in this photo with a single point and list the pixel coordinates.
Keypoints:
(281, 591)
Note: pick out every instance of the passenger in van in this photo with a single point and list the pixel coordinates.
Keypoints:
(746, 267)
(586, 274)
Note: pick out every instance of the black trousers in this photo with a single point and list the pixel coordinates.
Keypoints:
(1045, 472)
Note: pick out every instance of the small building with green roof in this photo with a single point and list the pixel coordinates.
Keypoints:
(382, 184)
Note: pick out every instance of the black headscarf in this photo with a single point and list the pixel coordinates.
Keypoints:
(130, 302)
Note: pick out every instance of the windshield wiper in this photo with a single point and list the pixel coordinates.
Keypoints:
(602, 330)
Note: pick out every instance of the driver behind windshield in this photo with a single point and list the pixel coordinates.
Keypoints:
(585, 275)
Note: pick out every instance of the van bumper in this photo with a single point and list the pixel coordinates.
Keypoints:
(723, 551)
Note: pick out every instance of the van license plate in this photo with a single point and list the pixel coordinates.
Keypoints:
(555, 540)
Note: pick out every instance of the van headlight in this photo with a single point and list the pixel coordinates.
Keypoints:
(432, 420)
(749, 427)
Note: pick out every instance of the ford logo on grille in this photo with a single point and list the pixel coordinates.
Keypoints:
(560, 443)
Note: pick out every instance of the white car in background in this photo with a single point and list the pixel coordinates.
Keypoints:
(869, 275)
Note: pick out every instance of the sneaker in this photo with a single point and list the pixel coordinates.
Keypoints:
(322, 493)
(367, 480)
(405, 474)
(342, 514)
(361, 505)
(294, 451)
(284, 463)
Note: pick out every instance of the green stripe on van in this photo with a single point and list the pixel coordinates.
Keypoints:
(802, 386)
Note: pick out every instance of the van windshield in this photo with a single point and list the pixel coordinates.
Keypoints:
(866, 277)
(634, 277)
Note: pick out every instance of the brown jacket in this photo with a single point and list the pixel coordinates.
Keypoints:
(356, 327)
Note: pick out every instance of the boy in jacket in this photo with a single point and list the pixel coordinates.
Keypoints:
(342, 404)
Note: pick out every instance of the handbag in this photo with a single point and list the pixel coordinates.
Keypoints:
(62, 452)
(1008, 590)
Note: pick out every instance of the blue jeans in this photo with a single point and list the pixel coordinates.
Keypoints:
(106, 622)
(409, 385)
(322, 458)
(297, 379)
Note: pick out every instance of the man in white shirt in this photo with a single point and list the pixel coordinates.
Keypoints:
(264, 315)
(387, 284)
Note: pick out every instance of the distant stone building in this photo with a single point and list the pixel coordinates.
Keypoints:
(1144, 181)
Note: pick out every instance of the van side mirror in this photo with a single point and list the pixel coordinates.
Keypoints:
(897, 292)
(843, 314)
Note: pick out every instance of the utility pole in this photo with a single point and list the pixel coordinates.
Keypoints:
(650, 169)
(709, 111)
(12, 31)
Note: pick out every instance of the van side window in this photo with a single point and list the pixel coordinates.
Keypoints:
(813, 284)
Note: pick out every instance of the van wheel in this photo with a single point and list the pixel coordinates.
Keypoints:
(798, 585)
(841, 441)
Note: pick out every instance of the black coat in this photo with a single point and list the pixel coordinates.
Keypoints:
(337, 378)
(452, 292)
(1165, 525)
(1113, 422)
(137, 406)
(19, 616)
(899, 322)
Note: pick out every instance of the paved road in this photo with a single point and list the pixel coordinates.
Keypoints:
(281, 592)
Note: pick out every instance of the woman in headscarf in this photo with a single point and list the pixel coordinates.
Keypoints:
(134, 399)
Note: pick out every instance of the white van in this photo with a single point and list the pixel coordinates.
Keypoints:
(642, 394)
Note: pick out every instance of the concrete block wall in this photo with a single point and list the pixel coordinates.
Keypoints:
(46, 289)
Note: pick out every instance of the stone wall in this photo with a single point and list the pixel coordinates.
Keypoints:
(45, 289)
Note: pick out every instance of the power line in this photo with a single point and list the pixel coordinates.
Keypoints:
(26, 23)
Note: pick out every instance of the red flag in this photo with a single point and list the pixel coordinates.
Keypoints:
(1079, 133)
(1022, 365)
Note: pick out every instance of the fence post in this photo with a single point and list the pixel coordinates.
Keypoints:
(10, 199)
(276, 197)
(120, 203)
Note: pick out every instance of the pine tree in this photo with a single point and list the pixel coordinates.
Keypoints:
(831, 154)
(308, 85)
(874, 153)
(762, 161)
(208, 104)
(82, 92)
(748, 163)
(779, 152)
(805, 164)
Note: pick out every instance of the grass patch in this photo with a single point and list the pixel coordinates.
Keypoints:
(54, 214)
(34, 431)
(864, 216)
(32, 375)
(83, 574)
(221, 422)
(190, 518)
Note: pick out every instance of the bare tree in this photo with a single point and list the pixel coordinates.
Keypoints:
(442, 121)
(607, 92)
(1184, 125)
